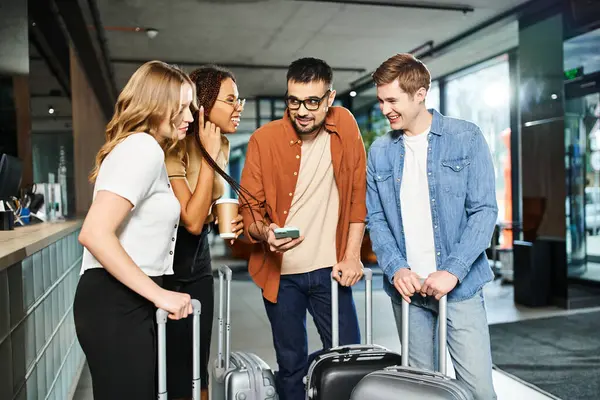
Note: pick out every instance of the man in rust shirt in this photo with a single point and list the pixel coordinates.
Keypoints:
(308, 171)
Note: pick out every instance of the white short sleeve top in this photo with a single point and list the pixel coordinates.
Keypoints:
(135, 170)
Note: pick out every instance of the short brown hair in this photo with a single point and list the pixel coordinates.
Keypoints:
(411, 73)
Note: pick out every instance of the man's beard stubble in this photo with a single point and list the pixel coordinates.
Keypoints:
(316, 128)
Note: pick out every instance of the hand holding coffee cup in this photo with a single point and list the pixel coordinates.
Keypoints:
(230, 222)
(237, 226)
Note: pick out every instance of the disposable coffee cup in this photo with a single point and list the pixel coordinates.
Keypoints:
(227, 211)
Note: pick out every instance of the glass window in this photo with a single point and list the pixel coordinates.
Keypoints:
(265, 108)
(481, 95)
(433, 96)
(280, 107)
(581, 52)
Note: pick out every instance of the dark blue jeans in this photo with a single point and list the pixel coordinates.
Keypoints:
(297, 294)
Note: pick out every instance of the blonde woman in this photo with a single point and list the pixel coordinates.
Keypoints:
(129, 235)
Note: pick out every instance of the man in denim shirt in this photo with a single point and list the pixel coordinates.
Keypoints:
(431, 213)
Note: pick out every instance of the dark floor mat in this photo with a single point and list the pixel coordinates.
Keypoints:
(560, 355)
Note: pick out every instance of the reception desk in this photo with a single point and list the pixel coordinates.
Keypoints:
(40, 357)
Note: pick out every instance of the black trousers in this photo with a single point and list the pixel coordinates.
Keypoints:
(116, 329)
(193, 275)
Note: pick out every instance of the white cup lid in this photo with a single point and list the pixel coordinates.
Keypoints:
(227, 201)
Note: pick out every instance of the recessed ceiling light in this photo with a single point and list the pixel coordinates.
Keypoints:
(151, 32)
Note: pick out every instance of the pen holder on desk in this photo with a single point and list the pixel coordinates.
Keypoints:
(7, 221)
(25, 215)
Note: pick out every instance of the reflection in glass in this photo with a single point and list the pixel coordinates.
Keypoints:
(582, 135)
(575, 147)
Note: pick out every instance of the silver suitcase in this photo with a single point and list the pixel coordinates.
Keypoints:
(161, 320)
(238, 375)
(407, 383)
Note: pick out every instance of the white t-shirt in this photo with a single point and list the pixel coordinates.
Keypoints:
(135, 170)
(415, 206)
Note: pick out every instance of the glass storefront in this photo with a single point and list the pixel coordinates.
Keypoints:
(481, 95)
(582, 124)
(582, 143)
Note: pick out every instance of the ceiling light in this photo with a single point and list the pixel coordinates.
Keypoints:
(353, 94)
(554, 96)
(50, 110)
(151, 33)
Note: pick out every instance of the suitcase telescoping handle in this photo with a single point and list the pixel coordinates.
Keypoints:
(442, 332)
(224, 334)
(161, 319)
(335, 314)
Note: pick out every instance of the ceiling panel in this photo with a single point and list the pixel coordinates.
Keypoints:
(279, 31)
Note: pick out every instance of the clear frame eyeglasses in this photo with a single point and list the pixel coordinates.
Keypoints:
(236, 104)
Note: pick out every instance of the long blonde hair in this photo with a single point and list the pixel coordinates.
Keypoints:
(152, 95)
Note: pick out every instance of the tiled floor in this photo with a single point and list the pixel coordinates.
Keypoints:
(250, 331)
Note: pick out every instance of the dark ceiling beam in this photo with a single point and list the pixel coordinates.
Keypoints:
(50, 41)
(46, 95)
(463, 8)
(100, 34)
(232, 65)
(74, 22)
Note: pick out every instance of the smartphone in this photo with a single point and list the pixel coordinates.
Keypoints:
(287, 232)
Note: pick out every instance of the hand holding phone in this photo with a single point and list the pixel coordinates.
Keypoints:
(287, 232)
(281, 240)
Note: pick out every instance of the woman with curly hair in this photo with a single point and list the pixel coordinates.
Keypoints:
(196, 172)
(129, 233)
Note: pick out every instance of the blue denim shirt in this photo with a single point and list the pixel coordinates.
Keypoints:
(463, 203)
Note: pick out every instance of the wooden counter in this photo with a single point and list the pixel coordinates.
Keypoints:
(23, 241)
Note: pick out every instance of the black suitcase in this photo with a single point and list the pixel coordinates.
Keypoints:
(333, 374)
(406, 383)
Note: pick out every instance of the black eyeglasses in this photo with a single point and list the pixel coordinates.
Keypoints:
(311, 104)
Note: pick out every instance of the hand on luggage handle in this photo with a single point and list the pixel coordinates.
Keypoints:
(442, 332)
(161, 319)
(335, 322)
(223, 359)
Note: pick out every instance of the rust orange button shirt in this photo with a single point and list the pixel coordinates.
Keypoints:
(270, 174)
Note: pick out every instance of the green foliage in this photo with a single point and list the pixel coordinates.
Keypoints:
(369, 137)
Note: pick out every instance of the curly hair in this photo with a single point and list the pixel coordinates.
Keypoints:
(207, 82)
